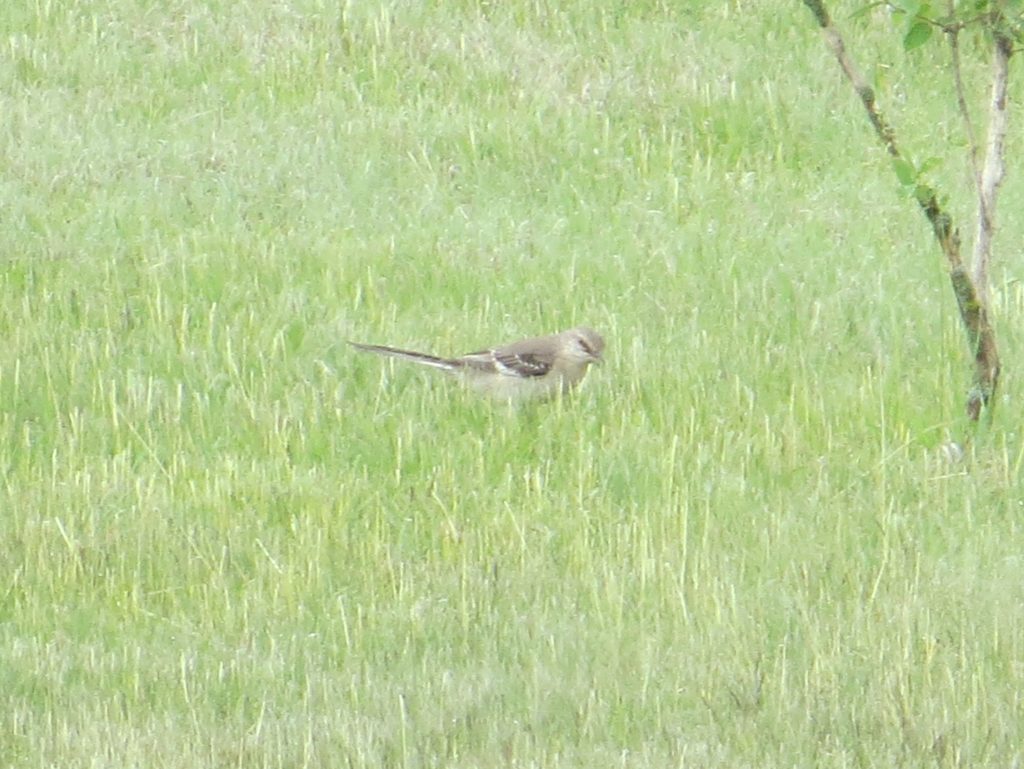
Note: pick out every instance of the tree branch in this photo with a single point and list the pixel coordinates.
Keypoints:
(970, 301)
(860, 84)
(942, 224)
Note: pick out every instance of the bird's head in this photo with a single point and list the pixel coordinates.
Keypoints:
(585, 344)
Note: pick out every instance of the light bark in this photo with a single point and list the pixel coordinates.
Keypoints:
(994, 168)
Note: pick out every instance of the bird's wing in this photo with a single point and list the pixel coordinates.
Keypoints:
(509, 362)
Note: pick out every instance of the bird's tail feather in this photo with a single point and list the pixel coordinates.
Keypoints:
(416, 357)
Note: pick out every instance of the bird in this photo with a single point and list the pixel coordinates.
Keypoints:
(530, 369)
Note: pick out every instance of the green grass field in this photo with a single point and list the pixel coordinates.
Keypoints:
(228, 540)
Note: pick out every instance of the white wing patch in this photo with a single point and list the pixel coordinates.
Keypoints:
(525, 366)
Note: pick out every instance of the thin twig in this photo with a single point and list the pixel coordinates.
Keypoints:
(954, 50)
(860, 83)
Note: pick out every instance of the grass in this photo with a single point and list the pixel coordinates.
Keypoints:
(230, 541)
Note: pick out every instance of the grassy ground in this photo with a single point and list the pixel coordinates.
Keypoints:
(230, 541)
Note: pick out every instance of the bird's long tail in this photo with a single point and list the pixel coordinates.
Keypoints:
(422, 358)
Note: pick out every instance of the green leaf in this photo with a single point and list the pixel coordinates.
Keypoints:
(864, 10)
(905, 171)
(928, 165)
(918, 34)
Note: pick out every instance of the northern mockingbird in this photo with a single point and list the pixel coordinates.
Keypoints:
(531, 368)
